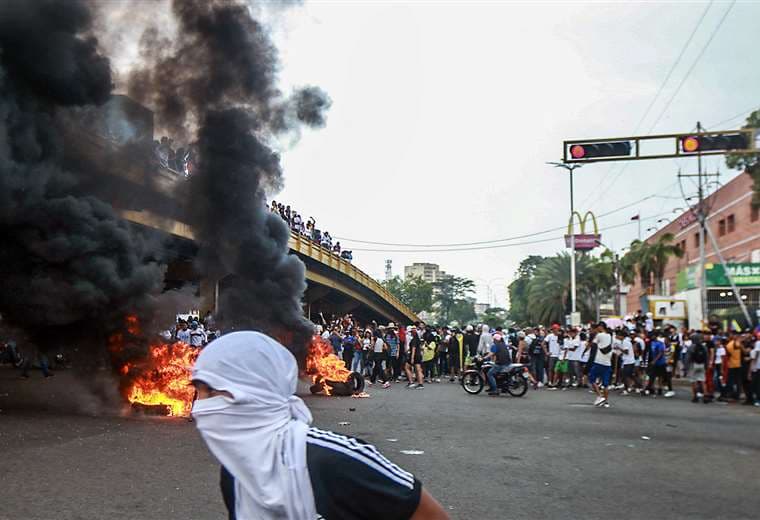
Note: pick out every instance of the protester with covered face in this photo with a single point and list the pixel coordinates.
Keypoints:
(274, 466)
(485, 341)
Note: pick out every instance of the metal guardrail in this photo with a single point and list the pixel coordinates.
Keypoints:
(315, 251)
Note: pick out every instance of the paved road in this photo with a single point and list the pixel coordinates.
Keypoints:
(547, 455)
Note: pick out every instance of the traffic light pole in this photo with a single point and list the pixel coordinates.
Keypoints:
(573, 299)
(572, 253)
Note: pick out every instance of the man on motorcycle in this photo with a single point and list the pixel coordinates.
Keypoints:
(502, 359)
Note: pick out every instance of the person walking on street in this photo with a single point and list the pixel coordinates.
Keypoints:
(378, 359)
(601, 370)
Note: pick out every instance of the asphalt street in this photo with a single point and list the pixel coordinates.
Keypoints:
(546, 455)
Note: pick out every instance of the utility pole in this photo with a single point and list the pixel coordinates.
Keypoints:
(702, 217)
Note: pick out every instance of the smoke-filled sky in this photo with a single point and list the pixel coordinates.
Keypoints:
(444, 114)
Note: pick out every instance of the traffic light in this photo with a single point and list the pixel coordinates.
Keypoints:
(705, 143)
(591, 150)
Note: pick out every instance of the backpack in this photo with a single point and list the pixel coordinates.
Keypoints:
(699, 356)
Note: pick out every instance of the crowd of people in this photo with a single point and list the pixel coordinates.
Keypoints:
(178, 160)
(195, 331)
(308, 228)
(635, 358)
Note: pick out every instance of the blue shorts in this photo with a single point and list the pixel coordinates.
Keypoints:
(602, 372)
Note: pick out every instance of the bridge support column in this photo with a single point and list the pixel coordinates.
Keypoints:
(209, 292)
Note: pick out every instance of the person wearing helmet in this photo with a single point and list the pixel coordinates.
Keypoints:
(501, 355)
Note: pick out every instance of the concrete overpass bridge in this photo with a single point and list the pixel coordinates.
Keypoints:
(335, 286)
(118, 138)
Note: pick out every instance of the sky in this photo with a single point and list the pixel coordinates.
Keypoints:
(444, 115)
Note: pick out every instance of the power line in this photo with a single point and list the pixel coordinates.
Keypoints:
(673, 67)
(693, 65)
(743, 113)
(652, 103)
(498, 246)
(493, 241)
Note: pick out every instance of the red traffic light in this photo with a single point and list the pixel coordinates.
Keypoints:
(577, 152)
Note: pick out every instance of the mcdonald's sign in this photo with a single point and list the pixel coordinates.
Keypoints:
(583, 241)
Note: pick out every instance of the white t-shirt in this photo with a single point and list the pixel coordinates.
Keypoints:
(720, 353)
(649, 324)
(366, 343)
(574, 343)
(553, 342)
(379, 345)
(755, 357)
(584, 352)
(626, 349)
(183, 335)
(603, 340)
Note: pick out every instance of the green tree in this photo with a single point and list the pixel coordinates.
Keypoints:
(412, 291)
(750, 162)
(649, 260)
(494, 317)
(450, 292)
(549, 289)
(462, 312)
(518, 289)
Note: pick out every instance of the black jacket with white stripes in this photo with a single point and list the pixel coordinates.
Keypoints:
(351, 479)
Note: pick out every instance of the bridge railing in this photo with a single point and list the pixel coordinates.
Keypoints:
(307, 247)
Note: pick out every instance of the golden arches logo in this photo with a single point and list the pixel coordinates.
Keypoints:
(582, 220)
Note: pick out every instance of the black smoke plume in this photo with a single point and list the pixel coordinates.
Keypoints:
(69, 267)
(214, 84)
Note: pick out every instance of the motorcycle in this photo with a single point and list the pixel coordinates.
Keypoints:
(514, 381)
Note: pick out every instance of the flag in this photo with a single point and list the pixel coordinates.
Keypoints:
(636, 217)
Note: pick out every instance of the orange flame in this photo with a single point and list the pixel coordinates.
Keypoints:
(323, 365)
(164, 378)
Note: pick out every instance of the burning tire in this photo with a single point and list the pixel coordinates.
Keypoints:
(354, 385)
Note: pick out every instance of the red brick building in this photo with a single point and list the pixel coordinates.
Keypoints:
(736, 227)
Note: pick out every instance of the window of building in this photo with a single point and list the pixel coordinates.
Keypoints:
(730, 224)
(682, 245)
(696, 239)
(721, 227)
(754, 213)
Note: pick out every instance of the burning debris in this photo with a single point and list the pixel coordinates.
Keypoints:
(163, 379)
(328, 372)
(156, 384)
(71, 266)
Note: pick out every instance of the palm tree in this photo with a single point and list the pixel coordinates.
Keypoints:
(638, 260)
(649, 260)
(660, 252)
(549, 289)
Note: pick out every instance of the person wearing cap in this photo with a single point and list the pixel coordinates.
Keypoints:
(274, 465)
(501, 355)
